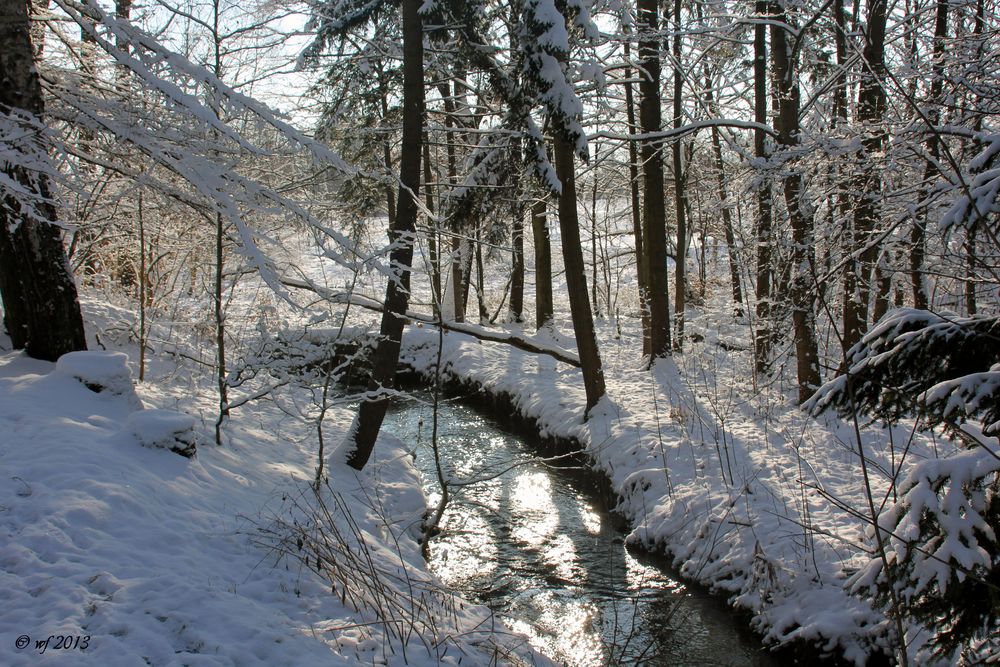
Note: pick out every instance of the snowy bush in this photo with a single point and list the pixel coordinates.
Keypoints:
(164, 429)
(942, 550)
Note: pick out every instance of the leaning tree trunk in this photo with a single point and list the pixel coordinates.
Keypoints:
(576, 277)
(654, 225)
(402, 236)
(41, 308)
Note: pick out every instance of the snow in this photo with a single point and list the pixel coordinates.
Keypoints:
(194, 560)
(98, 371)
(741, 503)
(153, 558)
(165, 429)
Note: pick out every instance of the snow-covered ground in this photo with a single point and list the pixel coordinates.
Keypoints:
(116, 553)
(746, 493)
(163, 559)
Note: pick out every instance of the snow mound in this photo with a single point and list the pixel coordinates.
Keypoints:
(100, 372)
(164, 429)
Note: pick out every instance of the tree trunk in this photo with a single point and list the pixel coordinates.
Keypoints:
(727, 222)
(390, 194)
(432, 232)
(593, 241)
(868, 182)
(219, 310)
(459, 275)
(918, 233)
(576, 277)
(402, 235)
(680, 193)
(484, 314)
(799, 215)
(883, 283)
(38, 27)
(654, 226)
(633, 178)
(41, 308)
(762, 224)
(543, 264)
(517, 269)
(970, 271)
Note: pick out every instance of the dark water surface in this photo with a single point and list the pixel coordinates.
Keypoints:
(533, 542)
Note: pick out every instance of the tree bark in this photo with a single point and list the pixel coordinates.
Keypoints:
(654, 226)
(762, 224)
(576, 277)
(918, 233)
(680, 193)
(727, 222)
(543, 264)
(38, 27)
(799, 215)
(402, 235)
(432, 232)
(595, 302)
(517, 268)
(390, 195)
(633, 177)
(868, 182)
(41, 308)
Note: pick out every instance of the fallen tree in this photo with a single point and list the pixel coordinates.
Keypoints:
(482, 333)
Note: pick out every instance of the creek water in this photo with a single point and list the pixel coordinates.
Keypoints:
(533, 541)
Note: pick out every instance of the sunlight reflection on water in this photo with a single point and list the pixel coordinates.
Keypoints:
(530, 542)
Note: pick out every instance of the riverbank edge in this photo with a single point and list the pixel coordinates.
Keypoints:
(505, 407)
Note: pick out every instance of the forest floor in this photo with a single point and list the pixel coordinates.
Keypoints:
(167, 560)
(112, 553)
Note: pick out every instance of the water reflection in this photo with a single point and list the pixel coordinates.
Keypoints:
(530, 542)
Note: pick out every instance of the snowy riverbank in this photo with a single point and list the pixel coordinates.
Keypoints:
(750, 498)
(112, 553)
(169, 560)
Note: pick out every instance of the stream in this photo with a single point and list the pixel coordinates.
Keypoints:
(534, 542)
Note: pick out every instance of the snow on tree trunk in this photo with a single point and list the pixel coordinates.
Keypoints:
(41, 309)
